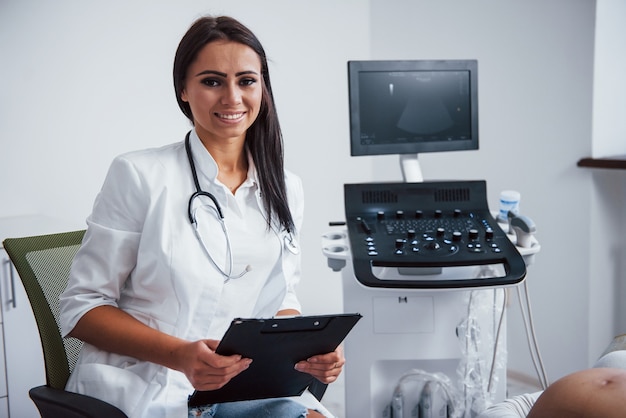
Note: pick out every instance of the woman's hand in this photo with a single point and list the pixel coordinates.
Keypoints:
(205, 369)
(325, 367)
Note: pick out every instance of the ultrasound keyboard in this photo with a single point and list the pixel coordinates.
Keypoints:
(422, 231)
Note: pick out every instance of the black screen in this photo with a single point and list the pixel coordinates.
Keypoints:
(402, 107)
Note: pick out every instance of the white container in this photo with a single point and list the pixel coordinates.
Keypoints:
(509, 202)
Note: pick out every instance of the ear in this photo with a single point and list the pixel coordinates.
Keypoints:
(183, 95)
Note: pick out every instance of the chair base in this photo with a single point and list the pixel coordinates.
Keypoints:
(55, 403)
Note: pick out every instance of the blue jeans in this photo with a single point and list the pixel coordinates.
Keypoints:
(262, 408)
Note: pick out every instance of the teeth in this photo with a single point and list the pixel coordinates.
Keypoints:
(230, 116)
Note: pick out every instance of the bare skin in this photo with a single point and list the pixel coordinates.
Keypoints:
(590, 393)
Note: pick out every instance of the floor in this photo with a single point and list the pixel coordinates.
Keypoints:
(518, 384)
(334, 397)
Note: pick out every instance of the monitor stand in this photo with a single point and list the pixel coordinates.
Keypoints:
(410, 167)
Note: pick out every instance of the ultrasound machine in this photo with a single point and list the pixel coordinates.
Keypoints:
(426, 263)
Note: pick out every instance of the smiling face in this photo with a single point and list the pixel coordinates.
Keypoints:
(224, 91)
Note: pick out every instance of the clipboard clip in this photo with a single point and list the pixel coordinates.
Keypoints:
(278, 325)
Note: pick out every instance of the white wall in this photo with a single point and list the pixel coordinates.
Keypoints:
(609, 90)
(84, 81)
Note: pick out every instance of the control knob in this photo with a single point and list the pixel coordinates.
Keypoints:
(432, 245)
(399, 246)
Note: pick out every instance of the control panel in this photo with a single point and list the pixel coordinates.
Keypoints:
(422, 228)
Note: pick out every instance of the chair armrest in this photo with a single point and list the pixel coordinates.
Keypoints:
(60, 403)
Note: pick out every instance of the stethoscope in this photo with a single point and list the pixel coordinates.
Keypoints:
(289, 240)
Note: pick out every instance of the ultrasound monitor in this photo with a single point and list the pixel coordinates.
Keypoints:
(411, 107)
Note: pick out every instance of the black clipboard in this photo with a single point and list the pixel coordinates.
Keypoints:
(275, 345)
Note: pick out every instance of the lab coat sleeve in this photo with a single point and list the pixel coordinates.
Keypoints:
(292, 265)
(109, 249)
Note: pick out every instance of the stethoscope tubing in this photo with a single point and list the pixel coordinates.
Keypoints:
(220, 216)
(288, 238)
(199, 191)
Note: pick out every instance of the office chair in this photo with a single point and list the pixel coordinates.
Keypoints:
(43, 263)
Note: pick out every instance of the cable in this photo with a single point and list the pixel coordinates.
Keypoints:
(532, 338)
(490, 347)
(467, 349)
(505, 298)
(538, 352)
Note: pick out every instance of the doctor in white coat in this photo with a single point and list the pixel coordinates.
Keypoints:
(186, 237)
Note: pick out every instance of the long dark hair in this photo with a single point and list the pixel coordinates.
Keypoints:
(264, 138)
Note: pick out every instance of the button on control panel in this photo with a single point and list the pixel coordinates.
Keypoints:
(429, 224)
(439, 235)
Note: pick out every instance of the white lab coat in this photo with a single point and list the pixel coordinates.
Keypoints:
(140, 254)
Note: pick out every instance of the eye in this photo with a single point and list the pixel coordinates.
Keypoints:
(210, 82)
(247, 81)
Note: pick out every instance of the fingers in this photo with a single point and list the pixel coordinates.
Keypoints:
(336, 358)
(207, 370)
(212, 378)
(324, 372)
(326, 368)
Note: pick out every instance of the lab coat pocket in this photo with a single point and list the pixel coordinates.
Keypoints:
(117, 386)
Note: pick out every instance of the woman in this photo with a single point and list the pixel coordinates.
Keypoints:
(159, 278)
(596, 392)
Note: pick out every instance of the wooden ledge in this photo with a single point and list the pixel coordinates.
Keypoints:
(617, 162)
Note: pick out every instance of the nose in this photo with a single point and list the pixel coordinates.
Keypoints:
(232, 95)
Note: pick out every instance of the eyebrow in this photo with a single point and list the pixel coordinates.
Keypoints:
(206, 72)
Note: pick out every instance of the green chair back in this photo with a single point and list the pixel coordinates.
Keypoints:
(43, 264)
